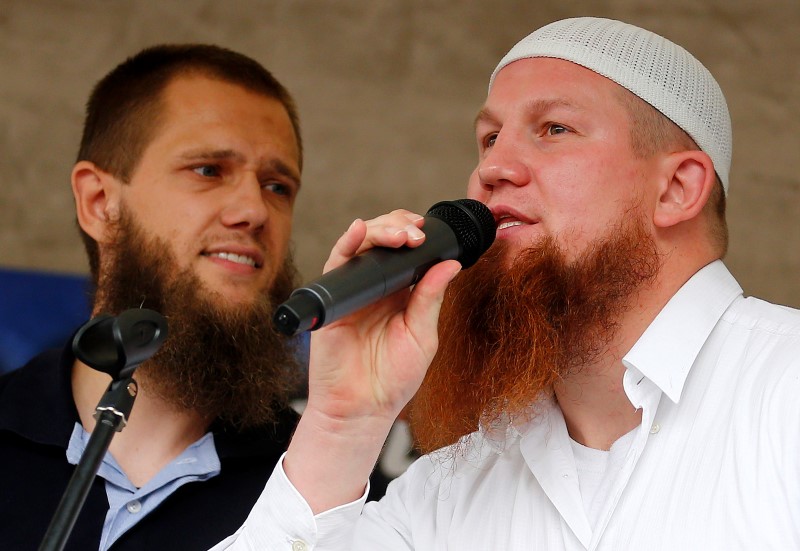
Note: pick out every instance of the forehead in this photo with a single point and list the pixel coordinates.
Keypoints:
(556, 81)
(201, 104)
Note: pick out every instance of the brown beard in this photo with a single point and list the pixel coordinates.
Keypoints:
(222, 361)
(508, 335)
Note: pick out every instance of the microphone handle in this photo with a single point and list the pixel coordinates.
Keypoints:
(365, 279)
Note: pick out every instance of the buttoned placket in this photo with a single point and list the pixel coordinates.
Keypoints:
(646, 396)
(548, 454)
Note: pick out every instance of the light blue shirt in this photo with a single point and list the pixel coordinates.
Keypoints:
(129, 504)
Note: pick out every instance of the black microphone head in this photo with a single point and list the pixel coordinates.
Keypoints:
(473, 224)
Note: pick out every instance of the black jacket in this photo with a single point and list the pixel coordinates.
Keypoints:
(37, 416)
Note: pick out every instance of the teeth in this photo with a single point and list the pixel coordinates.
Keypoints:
(505, 225)
(239, 259)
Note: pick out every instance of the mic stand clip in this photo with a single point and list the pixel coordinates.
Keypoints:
(113, 345)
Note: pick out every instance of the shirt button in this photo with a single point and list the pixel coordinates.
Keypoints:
(655, 428)
(299, 545)
(134, 506)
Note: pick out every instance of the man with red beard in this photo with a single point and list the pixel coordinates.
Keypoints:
(184, 187)
(601, 381)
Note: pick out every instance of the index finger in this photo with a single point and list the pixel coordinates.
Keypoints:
(395, 229)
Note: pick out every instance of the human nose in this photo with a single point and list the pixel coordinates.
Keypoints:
(246, 208)
(502, 164)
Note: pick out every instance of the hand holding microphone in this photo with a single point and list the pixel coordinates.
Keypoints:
(363, 372)
(454, 230)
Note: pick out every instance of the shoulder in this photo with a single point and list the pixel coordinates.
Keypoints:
(759, 316)
(459, 468)
(36, 400)
(42, 376)
(762, 333)
(760, 354)
(453, 483)
(36, 368)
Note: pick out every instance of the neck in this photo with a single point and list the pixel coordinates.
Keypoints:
(595, 407)
(592, 399)
(155, 434)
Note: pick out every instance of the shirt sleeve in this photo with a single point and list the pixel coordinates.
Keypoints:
(282, 520)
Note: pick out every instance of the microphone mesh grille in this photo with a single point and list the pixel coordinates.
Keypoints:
(473, 224)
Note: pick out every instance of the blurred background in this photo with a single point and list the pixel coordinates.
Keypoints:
(387, 91)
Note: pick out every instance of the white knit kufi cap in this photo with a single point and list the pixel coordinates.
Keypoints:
(659, 71)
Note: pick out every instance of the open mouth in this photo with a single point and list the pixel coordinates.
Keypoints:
(510, 224)
(236, 258)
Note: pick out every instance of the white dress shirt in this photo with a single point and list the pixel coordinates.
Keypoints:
(715, 464)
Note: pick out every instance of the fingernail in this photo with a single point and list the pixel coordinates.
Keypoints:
(455, 273)
(413, 217)
(414, 232)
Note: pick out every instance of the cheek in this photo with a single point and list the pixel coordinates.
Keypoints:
(166, 215)
(280, 236)
(183, 233)
(575, 215)
(183, 250)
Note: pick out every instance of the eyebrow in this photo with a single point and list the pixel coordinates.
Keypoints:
(274, 165)
(535, 106)
(211, 155)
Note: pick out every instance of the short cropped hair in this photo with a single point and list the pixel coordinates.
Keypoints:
(651, 133)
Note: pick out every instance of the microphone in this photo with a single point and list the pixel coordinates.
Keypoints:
(454, 230)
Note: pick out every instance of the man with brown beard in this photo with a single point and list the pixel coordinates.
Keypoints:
(601, 381)
(184, 187)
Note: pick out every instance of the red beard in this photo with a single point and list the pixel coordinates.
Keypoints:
(508, 334)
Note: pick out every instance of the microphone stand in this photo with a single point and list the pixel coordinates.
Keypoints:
(113, 345)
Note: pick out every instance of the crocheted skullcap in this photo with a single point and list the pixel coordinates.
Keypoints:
(659, 71)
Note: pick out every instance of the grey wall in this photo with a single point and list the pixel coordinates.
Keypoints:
(387, 93)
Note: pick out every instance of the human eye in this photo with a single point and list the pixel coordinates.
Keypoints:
(488, 140)
(278, 188)
(207, 171)
(553, 129)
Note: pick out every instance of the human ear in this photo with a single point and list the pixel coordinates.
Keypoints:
(690, 177)
(96, 199)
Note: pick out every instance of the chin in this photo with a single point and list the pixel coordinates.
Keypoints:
(515, 243)
(224, 294)
(236, 299)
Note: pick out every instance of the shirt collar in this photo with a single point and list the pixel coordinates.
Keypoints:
(667, 349)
